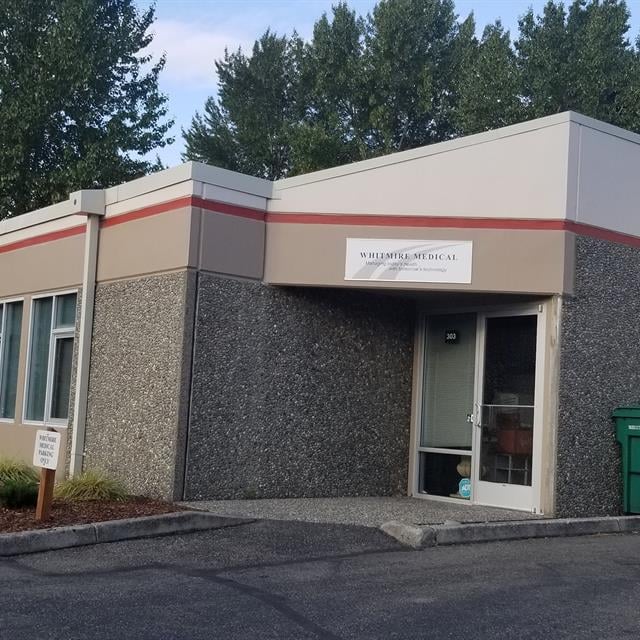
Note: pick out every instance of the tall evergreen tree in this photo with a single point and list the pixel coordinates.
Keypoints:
(249, 127)
(332, 97)
(79, 101)
(490, 86)
(411, 74)
(410, 63)
(580, 60)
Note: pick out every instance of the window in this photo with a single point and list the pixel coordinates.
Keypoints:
(10, 330)
(53, 322)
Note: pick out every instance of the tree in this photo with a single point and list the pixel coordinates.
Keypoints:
(412, 53)
(490, 91)
(411, 74)
(332, 95)
(581, 60)
(249, 127)
(348, 94)
(79, 99)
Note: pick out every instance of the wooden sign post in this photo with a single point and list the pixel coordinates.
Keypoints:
(45, 456)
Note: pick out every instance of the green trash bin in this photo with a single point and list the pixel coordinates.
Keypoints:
(628, 434)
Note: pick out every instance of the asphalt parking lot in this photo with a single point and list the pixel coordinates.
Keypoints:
(270, 579)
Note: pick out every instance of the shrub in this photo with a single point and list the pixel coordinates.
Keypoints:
(16, 493)
(91, 485)
(14, 470)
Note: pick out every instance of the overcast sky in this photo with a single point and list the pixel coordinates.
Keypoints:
(193, 33)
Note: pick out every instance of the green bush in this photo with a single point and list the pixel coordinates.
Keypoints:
(91, 485)
(16, 493)
(14, 470)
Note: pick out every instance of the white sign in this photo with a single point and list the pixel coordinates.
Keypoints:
(47, 448)
(409, 260)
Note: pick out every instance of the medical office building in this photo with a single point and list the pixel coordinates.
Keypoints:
(456, 322)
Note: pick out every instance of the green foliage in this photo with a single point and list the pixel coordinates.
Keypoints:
(16, 493)
(79, 102)
(580, 60)
(248, 128)
(332, 95)
(91, 485)
(490, 85)
(411, 57)
(409, 74)
(12, 470)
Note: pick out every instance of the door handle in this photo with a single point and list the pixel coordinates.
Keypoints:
(477, 413)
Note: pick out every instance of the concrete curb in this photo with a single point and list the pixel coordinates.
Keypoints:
(12, 544)
(422, 536)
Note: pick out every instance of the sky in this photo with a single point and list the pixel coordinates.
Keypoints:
(194, 33)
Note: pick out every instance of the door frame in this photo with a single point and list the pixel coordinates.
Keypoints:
(518, 497)
(539, 309)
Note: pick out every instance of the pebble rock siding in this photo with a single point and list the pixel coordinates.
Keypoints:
(599, 370)
(299, 392)
(138, 385)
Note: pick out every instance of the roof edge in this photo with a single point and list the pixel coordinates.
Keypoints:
(83, 202)
(604, 127)
(95, 200)
(425, 151)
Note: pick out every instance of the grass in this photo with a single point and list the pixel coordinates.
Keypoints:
(12, 470)
(18, 493)
(91, 485)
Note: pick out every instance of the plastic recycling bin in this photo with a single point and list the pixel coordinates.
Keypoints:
(628, 435)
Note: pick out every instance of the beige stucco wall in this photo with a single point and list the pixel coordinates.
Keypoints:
(147, 245)
(506, 261)
(227, 244)
(514, 176)
(607, 189)
(42, 267)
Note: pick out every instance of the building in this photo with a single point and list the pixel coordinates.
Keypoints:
(456, 321)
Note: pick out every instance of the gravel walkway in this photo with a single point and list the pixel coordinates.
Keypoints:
(369, 512)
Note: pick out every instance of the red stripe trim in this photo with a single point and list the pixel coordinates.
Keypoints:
(434, 222)
(441, 222)
(229, 209)
(179, 203)
(146, 212)
(414, 221)
(45, 237)
(138, 214)
(602, 234)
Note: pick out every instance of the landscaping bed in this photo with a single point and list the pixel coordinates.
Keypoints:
(68, 512)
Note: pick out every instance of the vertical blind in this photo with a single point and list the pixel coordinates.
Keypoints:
(449, 382)
(9, 357)
(51, 358)
(38, 359)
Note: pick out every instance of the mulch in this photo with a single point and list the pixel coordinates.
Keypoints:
(64, 513)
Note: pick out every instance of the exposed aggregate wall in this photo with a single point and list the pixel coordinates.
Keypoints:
(139, 382)
(599, 371)
(299, 392)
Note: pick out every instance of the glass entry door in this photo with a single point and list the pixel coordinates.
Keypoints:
(480, 409)
(446, 432)
(506, 410)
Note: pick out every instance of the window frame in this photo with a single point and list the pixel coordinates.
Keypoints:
(54, 335)
(3, 327)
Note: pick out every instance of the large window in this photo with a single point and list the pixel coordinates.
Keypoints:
(10, 330)
(50, 358)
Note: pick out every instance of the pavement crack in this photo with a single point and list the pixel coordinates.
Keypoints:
(21, 564)
(91, 573)
(330, 558)
(276, 602)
